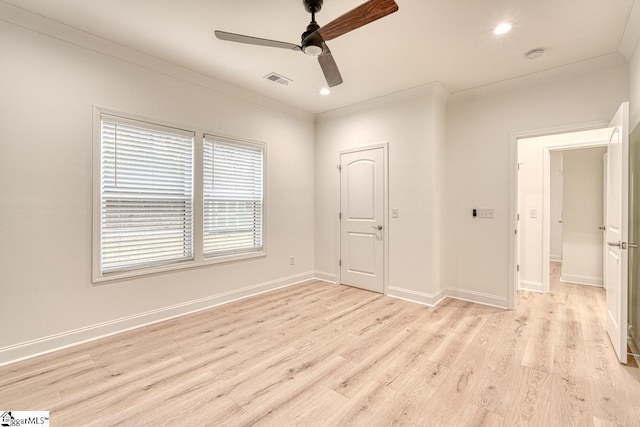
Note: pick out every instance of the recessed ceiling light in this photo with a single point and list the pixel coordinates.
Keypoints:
(325, 91)
(502, 28)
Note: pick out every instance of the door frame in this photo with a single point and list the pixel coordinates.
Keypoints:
(514, 136)
(385, 211)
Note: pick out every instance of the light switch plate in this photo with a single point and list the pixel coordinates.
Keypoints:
(394, 212)
(485, 212)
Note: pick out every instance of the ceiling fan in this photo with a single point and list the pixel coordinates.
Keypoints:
(314, 38)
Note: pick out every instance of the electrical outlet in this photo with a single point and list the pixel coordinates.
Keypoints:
(292, 260)
(485, 212)
(394, 212)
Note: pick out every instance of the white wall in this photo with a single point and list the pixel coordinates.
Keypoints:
(583, 205)
(412, 123)
(48, 93)
(555, 216)
(481, 125)
(634, 87)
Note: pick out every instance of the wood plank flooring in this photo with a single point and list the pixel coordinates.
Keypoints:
(324, 355)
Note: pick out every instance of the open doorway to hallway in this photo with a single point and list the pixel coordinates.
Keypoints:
(560, 208)
(620, 173)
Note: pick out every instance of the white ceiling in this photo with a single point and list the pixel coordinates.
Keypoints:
(450, 41)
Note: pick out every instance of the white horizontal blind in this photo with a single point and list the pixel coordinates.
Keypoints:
(146, 216)
(233, 197)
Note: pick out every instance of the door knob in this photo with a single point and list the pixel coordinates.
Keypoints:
(602, 227)
(377, 227)
(618, 244)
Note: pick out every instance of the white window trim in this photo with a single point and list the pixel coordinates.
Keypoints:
(198, 195)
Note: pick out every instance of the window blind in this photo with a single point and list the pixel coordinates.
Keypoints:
(233, 197)
(146, 213)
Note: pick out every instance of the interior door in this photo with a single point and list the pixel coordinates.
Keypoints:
(362, 229)
(617, 231)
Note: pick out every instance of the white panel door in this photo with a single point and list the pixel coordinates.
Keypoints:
(362, 219)
(617, 231)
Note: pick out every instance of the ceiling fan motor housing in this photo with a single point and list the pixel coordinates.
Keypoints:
(312, 43)
(313, 46)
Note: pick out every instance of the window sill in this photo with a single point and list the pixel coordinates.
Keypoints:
(184, 265)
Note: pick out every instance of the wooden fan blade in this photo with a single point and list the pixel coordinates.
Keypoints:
(239, 38)
(329, 68)
(361, 15)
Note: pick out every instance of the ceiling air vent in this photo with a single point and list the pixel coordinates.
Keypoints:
(275, 77)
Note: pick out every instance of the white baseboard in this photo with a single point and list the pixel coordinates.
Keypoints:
(430, 300)
(478, 297)
(555, 258)
(529, 285)
(582, 280)
(325, 277)
(36, 347)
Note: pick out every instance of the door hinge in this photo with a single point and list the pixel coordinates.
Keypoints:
(518, 267)
(518, 218)
(339, 215)
(339, 168)
(339, 263)
(515, 231)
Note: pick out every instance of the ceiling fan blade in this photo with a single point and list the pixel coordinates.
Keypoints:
(239, 38)
(329, 67)
(361, 15)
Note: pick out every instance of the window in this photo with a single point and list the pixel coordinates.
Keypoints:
(146, 195)
(168, 198)
(233, 197)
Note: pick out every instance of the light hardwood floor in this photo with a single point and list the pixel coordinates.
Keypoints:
(321, 354)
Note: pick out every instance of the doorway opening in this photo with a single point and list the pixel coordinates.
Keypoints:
(619, 177)
(560, 208)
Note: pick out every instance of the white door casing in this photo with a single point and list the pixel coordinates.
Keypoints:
(605, 247)
(362, 227)
(617, 231)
